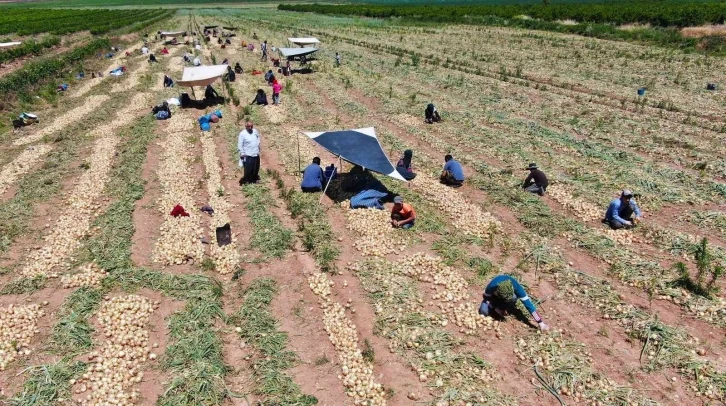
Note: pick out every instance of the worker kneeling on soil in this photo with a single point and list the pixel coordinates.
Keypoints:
(312, 180)
(402, 215)
(453, 173)
(621, 210)
(536, 182)
(501, 295)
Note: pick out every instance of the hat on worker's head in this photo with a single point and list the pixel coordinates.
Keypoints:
(398, 199)
(626, 193)
(532, 166)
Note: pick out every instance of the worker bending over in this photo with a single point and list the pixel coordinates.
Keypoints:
(620, 212)
(453, 172)
(501, 295)
(402, 215)
(536, 182)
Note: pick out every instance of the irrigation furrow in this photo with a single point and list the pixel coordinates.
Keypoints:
(22, 165)
(65, 120)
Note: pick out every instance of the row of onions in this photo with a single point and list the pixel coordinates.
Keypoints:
(90, 105)
(22, 165)
(356, 373)
(180, 239)
(81, 208)
(226, 258)
(116, 368)
(18, 326)
(467, 217)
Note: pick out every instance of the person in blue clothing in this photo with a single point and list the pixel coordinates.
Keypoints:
(453, 173)
(621, 210)
(312, 180)
(501, 295)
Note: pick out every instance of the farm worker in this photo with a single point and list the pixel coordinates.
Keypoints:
(152, 58)
(260, 98)
(168, 82)
(198, 47)
(404, 165)
(144, 50)
(211, 95)
(337, 59)
(276, 89)
(312, 180)
(197, 61)
(248, 145)
(501, 295)
(237, 68)
(187, 57)
(164, 51)
(453, 173)
(268, 77)
(263, 48)
(230, 75)
(402, 215)
(431, 114)
(536, 181)
(620, 211)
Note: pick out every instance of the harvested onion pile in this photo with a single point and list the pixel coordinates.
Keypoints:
(90, 275)
(115, 369)
(450, 288)
(374, 227)
(409, 119)
(467, 217)
(123, 85)
(356, 374)
(179, 241)
(21, 165)
(582, 209)
(68, 232)
(59, 123)
(276, 114)
(226, 258)
(135, 108)
(18, 325)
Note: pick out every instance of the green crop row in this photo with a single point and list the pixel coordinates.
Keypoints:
(28, 22)
(34, 72)
(656, 14)
(30, 47)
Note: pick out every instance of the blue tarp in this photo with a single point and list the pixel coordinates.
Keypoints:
(369, 198)
(360, 147)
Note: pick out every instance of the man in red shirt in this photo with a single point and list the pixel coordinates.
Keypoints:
(402, 215)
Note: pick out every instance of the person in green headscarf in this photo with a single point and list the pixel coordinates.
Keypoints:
(501, 295)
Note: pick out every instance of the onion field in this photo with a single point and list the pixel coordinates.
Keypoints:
(107, 299)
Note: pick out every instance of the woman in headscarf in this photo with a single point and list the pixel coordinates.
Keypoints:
(432, 115)
(404, 165)
(260, 98)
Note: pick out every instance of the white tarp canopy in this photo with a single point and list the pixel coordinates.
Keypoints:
(202, 75)
(304, 41)
(172, 33)
(9, 44)
(292, 52)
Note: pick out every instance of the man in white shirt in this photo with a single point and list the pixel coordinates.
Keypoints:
(144, 50)
(197, 61)
(248, 145)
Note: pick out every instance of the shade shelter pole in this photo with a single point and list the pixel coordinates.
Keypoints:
(299, 164)
(326, 187)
